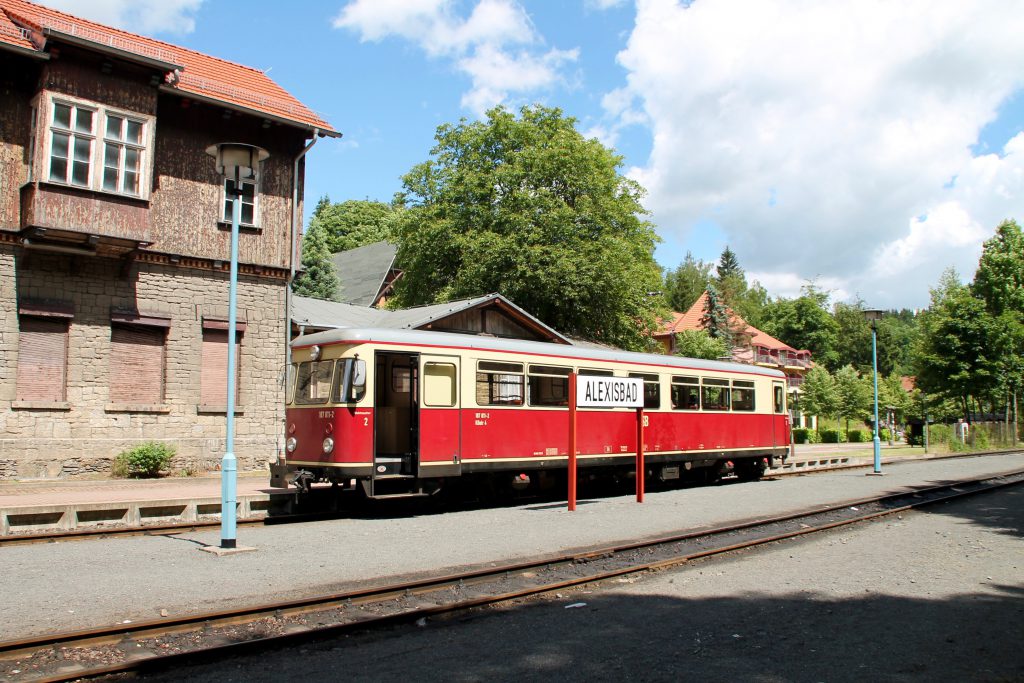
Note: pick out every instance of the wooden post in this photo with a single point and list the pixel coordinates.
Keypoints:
(640, 455)
(572, 441)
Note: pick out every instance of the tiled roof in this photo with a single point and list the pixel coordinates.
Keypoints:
(691, 320)
(201, 75)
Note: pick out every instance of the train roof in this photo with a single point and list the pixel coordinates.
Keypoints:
(351, 335)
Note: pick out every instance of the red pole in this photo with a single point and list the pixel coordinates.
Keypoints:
(640, 455)
(572, 441)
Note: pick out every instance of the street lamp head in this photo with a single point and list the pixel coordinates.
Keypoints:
(873, 314)
(238, 160)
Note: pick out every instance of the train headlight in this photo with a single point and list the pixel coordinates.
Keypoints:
(291, 444)
(328, 445)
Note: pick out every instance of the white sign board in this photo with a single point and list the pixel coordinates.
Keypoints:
(609, 392)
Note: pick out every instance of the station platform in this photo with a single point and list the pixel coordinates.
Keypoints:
(62, 505)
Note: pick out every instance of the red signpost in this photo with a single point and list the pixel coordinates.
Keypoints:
(572, 441)
(628, 393)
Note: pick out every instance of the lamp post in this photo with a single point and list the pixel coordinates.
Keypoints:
(873, 315)
(239, 163)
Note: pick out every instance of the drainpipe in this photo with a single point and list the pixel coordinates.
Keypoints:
(294, 238)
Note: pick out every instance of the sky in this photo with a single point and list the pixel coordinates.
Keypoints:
(863, 146)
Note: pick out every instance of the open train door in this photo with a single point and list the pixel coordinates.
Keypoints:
(440, 416)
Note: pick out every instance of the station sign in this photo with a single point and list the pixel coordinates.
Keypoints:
(609, 392)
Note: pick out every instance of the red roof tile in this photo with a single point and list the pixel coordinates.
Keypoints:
(13, 35)
(202, 75)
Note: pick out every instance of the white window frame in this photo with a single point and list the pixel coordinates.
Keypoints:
(97, 144)
(226, 207)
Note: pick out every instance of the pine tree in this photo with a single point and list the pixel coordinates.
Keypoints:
(716, 317)
(317, 278)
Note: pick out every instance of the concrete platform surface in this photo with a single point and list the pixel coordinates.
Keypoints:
(59, 586)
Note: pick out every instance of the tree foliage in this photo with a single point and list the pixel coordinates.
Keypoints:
(527, 207)
(699, 344)
(819, 395)
(715, 319)
(684, 285)
(805, 323)
(355, 222)
(317, 279)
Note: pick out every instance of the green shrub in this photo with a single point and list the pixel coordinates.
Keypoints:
(981, 439)
(855, 436)
(800, 435)
(145, 460)
(940, 433)
(914, 440)
(829, 435)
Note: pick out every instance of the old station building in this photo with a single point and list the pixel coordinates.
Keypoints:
(114, 247)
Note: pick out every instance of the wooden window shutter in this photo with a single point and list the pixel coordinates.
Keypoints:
(137, 364)
(213, 385)
(42, 359)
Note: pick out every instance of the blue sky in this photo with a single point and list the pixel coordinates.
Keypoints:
(866, 146)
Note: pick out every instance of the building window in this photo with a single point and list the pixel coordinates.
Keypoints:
(71, 138)
(138, 364)
(246, 202)
(122, 154)
(97, 148)
(42, 358)
(213, 389)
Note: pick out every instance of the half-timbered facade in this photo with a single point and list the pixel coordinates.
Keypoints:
(114, 246)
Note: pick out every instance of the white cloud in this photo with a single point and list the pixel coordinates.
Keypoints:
(138, 16)
(822, 137)
(496, 46)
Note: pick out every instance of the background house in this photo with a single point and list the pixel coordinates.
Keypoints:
(751, 345)
(114, 236)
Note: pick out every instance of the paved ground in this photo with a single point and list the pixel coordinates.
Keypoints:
(78, 584)
(930, 596)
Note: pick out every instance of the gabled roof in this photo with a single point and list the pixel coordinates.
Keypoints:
(692, 320)
(187, 72)
(318, 313)
(363, 271)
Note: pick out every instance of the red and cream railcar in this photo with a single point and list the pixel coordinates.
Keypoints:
(401, 411)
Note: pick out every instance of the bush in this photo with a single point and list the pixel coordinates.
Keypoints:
(940, 434)
(855, 436)
(829, 435)
(145, 460)
(800, 435)
(914, 440)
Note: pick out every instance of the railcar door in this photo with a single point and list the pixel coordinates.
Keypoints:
(440, 421)
(396, 419)
(779, 414)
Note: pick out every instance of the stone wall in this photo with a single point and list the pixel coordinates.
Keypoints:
(83, 436)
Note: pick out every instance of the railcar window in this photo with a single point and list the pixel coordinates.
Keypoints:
(289, 383)
(549, 385)
(742, 395)
(354, 370)
(595, 373)
(499, 384)
(714, 394)
(685, 393)
(652, 389)
(439, 384)
(780, 403)
(313, 382)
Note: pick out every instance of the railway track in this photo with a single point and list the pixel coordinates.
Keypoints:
(180, 528)
(159, 644)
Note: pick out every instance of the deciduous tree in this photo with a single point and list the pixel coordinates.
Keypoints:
(527, 207)
(698, 344)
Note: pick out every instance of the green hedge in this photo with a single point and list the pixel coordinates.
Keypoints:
(829, 435)
(856, 436)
